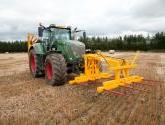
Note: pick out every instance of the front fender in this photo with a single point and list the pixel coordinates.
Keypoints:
(39, 49)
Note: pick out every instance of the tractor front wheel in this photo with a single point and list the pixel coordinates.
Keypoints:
(55, 69)
(33, 63)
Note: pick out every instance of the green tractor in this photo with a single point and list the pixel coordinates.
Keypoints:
(54, 53)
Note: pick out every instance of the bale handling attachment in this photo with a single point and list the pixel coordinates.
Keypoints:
(117, 68)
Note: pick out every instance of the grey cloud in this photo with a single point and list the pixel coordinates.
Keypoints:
(150, 9)
(106, 17)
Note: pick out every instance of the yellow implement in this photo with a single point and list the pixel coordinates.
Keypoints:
(116, 67)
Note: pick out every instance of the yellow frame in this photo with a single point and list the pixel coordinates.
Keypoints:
(121, 68)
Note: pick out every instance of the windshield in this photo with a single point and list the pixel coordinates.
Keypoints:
(60, 34)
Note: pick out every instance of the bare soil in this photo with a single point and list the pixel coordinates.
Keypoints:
(28, 101)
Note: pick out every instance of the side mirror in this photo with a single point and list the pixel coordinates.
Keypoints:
(84, 35)
(40, 31)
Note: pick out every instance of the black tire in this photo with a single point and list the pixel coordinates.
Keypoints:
(34, 64)
(55, 69)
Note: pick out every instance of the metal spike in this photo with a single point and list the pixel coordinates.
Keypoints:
(128, 87)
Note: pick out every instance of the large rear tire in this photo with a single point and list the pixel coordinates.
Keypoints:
(55, 69)
(34, 64)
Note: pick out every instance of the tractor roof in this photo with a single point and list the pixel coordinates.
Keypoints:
(59, 27)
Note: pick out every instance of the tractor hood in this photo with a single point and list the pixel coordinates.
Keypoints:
(72, 49)
(77, 47)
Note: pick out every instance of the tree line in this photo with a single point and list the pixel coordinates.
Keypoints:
(128, 42)
(15, 46)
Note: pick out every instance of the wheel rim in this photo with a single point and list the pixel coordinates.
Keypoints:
(49, 71)
(32, 63)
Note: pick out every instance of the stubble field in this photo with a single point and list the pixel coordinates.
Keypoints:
(28, 101)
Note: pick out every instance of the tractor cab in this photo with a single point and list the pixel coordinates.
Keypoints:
(62, 39)
(54, 32)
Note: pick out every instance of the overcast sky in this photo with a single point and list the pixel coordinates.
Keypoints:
(97, 17)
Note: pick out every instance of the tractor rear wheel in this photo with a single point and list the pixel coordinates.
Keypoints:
(55, 69)
(33, 63)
